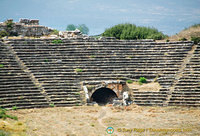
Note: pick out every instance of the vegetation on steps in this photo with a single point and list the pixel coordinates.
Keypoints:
(132, 32)
(142, 80)
(56, 41)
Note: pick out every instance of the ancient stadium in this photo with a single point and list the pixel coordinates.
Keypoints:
(79, 70)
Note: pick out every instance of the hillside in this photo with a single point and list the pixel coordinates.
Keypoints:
(192, 31)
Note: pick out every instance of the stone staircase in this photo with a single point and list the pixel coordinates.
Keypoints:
(187, 90)
(58, 69)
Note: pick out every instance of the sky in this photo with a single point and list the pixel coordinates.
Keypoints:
(168, 16)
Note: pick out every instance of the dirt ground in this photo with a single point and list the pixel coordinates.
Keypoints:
(93, 121)
(148, 87)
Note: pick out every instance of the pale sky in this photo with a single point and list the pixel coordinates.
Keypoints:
(168, 16)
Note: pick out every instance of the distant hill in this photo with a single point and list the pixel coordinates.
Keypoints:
(187, 34)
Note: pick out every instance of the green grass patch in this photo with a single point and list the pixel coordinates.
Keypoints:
(57, 41)
(130, 57)
(129, 81)
(4, 133)
(51, 105)
(77, 93)
(79, 70)
(14, 108)
(4, 115)
(92, 56)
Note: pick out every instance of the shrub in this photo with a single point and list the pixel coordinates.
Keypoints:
(142, 80)
(167, 40)
(51, 105)
(131, 31)
(79, 70)
(129, 81)
(57, 41)
(183, 39)
(3, 114)
(3, 33)
(195, 39)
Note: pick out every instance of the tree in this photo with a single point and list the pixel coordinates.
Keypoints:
(83, 28)
(71, 27)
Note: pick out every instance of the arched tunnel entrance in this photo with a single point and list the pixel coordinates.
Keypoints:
(103, 96)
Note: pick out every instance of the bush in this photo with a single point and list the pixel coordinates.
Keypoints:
(129, 81)
(183, 39)
(167, 40)
(3, 33)
(131, 31)
(195, 39)
(142, 80)
(57, 41)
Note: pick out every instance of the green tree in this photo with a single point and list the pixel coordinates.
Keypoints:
(71, 27)
(83, 28)
(9, 28)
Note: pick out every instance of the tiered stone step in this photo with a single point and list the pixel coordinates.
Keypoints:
(55, 64)
(149, 98)
(187, 91)
(16, 88)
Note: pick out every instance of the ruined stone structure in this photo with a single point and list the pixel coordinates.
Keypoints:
(72, 34)
(37, 73)
(26, 27)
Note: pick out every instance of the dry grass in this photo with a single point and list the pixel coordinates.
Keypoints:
(187, 33)
(93, 121)
(149, 87)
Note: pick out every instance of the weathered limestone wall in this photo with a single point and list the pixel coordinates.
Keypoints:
(26, 27)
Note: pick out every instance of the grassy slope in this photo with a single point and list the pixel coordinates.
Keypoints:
(193, 31)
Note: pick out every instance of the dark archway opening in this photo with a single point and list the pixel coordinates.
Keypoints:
(103, 96)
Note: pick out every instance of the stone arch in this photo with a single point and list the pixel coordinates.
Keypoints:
(103, 95)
